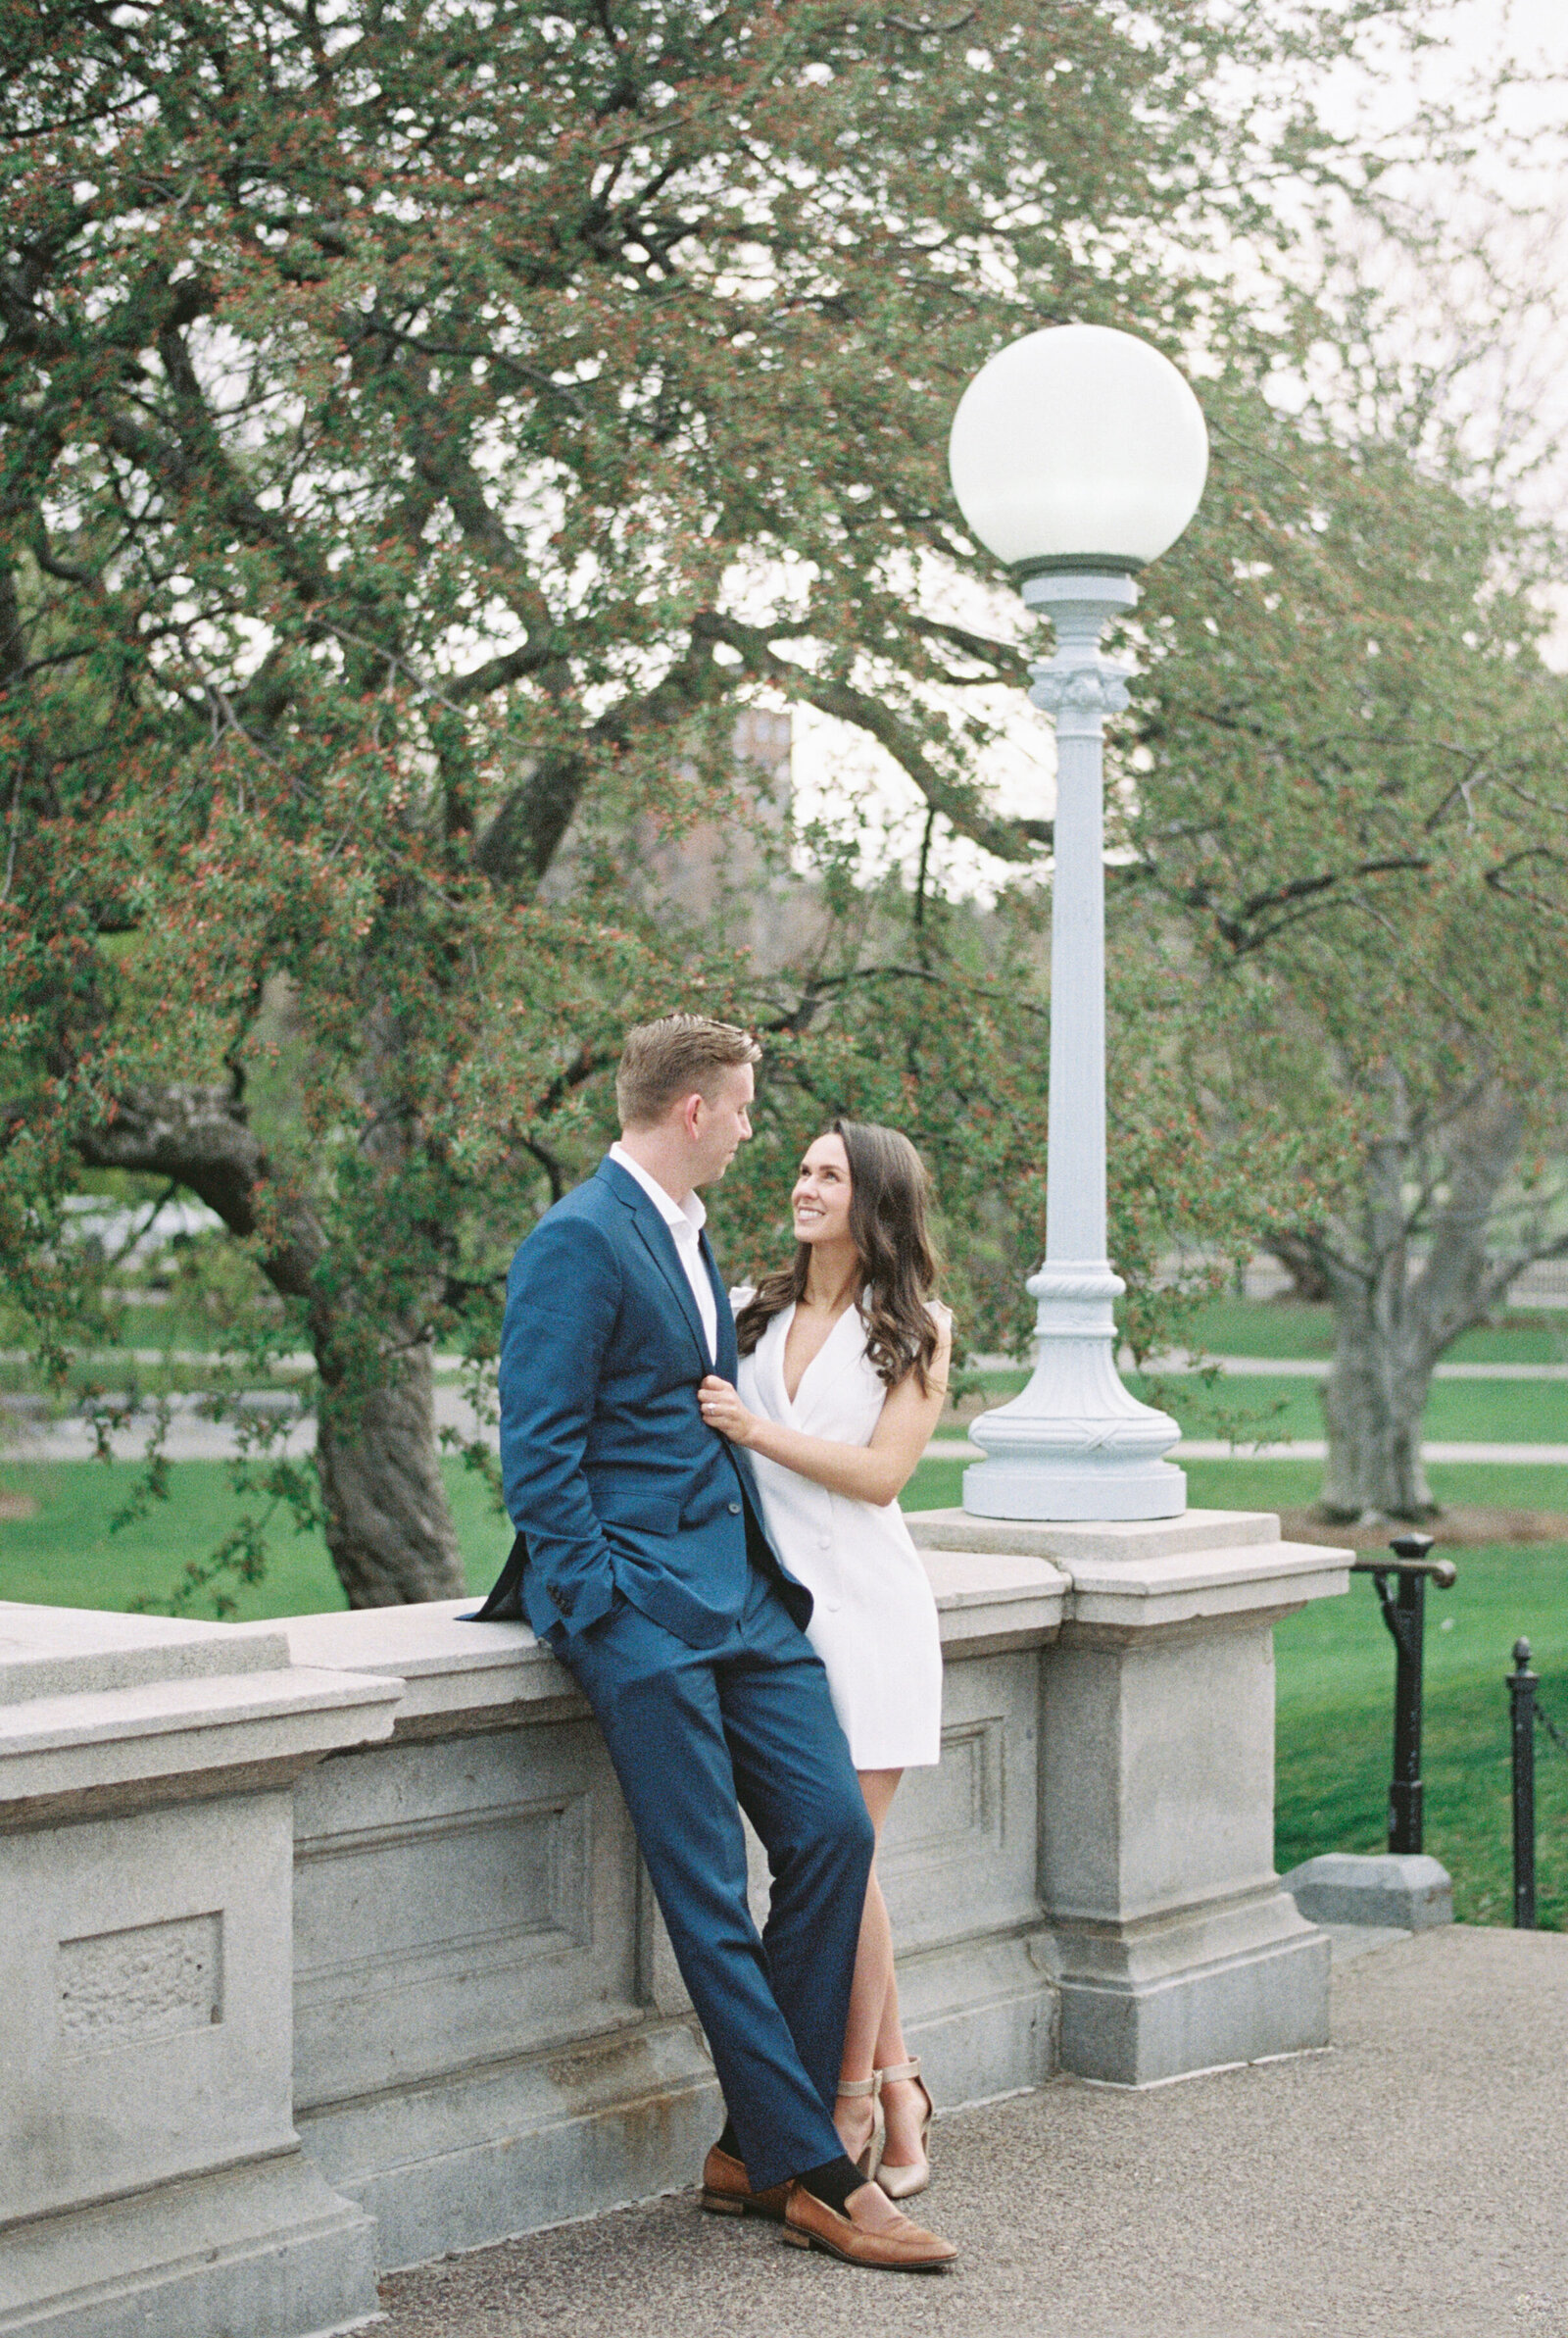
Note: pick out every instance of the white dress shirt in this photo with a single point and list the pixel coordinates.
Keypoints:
(685, 1221)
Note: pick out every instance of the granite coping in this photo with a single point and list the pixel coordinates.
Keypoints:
(1129, 1541)
(1147, 1574)
(94, 1702)
(1192, 1588)
(447, 1663)
(53, 1652)
(158, 1706)
(995, 1586)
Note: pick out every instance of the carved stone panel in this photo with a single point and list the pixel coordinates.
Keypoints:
(958, 1851)
(144, 2027)
(509, 1880)
(955, 1812)
(457, 1901)
(147, 1981)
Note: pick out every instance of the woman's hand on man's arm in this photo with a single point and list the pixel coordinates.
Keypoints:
(875, 1473)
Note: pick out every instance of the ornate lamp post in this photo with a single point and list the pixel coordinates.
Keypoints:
(1077, 455)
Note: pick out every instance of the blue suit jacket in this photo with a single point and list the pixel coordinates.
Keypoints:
(611, 1477)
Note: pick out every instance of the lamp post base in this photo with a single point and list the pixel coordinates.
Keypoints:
(1075, 1443)
(1000, 1489)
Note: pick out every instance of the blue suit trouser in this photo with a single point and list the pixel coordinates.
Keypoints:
(693, 1732)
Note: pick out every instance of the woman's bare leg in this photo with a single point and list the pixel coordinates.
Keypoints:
(873, 1989)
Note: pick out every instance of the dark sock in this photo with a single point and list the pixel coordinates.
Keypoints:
(832, 2182)
(730, 2141)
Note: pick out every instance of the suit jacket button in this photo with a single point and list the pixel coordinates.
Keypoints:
(734, 1510)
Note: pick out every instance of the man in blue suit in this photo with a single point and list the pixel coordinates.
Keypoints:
(641, 1558)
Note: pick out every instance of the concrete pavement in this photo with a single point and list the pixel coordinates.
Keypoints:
(1413, 2180)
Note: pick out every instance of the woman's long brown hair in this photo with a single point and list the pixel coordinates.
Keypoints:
(889, 1193)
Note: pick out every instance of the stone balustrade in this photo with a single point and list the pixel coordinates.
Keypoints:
(328, 1949)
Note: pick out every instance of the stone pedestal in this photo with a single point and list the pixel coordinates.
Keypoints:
(1175, 1948)
(151, 2181)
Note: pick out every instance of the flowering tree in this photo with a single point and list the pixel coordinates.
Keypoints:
(423, 427)
(1349, 759)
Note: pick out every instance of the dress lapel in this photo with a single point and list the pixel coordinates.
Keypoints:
(777, 1332)
(816, 1382)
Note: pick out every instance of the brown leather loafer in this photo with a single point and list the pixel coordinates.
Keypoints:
(727, 2189)
(905, 2248)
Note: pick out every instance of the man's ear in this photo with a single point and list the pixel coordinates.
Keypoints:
(691, 1105)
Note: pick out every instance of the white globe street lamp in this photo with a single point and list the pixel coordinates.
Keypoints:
(1077, 453)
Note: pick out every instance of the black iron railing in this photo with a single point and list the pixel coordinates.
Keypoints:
(1526, 1717)
(1404, 1614)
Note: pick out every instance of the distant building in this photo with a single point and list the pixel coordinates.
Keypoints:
(729, 873)
(734, 872)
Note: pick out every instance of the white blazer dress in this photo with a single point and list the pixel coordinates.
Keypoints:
(874, 1624)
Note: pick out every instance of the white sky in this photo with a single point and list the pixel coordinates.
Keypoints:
(1511, 198)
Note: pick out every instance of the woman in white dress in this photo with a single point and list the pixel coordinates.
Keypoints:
(842, 1372)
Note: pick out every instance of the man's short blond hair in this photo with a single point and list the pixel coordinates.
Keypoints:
(680, 1055)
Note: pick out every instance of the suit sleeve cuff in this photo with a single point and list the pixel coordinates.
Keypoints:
(592, 1604)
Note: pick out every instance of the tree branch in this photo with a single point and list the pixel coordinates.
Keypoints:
(1009, 840)
(198, 1137)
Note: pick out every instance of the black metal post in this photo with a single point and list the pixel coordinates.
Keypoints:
(1404, 1614)
(1522, 1699)
(1404, 1787)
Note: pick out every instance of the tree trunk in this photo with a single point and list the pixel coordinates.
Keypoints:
(388, 1523)
(1373, 1400)
(1411, 1273)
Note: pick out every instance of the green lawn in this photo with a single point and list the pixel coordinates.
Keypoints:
(1255, 1407)
(1273, 1327)
(1501, 1412)
(1335, 1726)
(1247, 1484)
(67, 1557)
(1336, 1664)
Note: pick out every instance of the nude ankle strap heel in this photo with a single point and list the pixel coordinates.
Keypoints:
(903, 2181)
(857, 2089)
